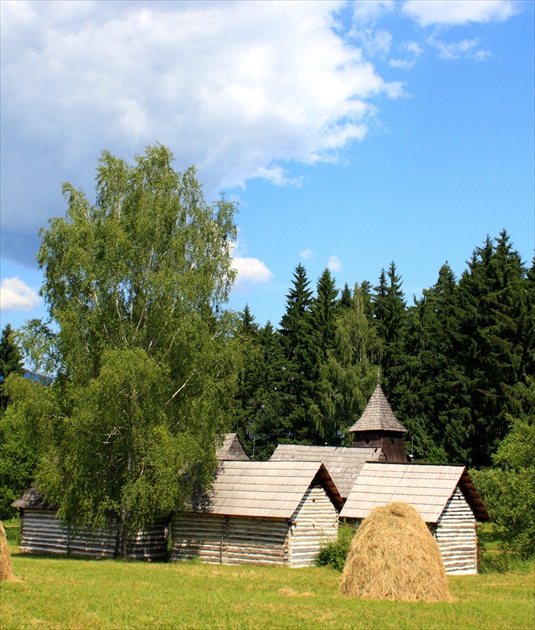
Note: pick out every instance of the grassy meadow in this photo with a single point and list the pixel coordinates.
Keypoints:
(55, 592)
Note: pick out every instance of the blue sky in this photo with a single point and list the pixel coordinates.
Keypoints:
(352, 134)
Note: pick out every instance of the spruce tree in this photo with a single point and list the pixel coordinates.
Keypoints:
(298, 362)
(390, 318)
(432, 377)
(269, 426)
(345, 297)
(491, 311)
(17, 450)
(323, 312)
(324, 309)
(248, 382)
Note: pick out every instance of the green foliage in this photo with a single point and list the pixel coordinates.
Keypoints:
(334, 554)
(508, 489)
(10, 361)
(491, 311)
(348, 375)
(26, 428)
(298, 361)
(143, 355)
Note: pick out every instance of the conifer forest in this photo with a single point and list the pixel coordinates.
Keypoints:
(456, 365)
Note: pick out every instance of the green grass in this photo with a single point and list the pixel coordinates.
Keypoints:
(56, 592)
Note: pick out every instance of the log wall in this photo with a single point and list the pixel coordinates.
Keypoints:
(248, 540)
(230, 539)
(314, 523)
(455, 533)
(42, 532)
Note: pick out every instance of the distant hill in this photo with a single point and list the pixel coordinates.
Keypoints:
(45, 380)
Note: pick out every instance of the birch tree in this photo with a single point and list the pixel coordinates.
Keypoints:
(135, 286)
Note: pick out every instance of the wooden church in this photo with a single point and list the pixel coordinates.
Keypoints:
(375, 471)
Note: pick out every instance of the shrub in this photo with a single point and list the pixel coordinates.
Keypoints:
(334, 554)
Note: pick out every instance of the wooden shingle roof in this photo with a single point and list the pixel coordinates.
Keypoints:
(264, 489)
(344, 464)
(427, 487)
(231, 448)
(378, 415)
(31, 500)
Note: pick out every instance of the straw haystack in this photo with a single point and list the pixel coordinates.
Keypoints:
(394, 556)
(5, 558)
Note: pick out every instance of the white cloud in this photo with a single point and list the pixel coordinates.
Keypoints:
(451, 12)
(306, 254)
(371, 10)
(334, 264)
(251, 270)
(465, 48)
(16, 295)
(277, 175)
(414, 50)
(237, 88)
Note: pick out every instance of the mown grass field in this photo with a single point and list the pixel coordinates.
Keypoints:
(56, 592)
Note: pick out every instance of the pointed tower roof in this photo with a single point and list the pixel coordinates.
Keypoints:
(378, 415)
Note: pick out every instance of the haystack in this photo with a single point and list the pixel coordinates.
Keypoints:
(5, 558)
(394, 556)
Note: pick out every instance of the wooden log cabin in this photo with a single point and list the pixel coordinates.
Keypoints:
(42, 532)
(444, 495)
(274, 513)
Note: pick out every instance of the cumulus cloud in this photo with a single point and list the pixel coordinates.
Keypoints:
(251, 270)
(237, 88)
(334, 264)
(306, 254)
(16, 295)
(452, 12)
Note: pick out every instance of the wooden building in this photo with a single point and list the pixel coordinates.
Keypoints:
(42, 532)
(444, 495)
(276, 513)
(343, 463)
(379, 428)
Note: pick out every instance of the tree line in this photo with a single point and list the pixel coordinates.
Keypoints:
(454, 364)
(143, 368)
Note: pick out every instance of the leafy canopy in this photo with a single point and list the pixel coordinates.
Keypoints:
(135, 286)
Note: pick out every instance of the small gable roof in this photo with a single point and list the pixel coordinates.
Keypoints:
(231, 448)
(343, 463)
(378, 415)
(264, 489)
(427, 487)
(31, 500)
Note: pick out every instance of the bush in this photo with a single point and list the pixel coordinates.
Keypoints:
(508, 489)
(334, 554)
